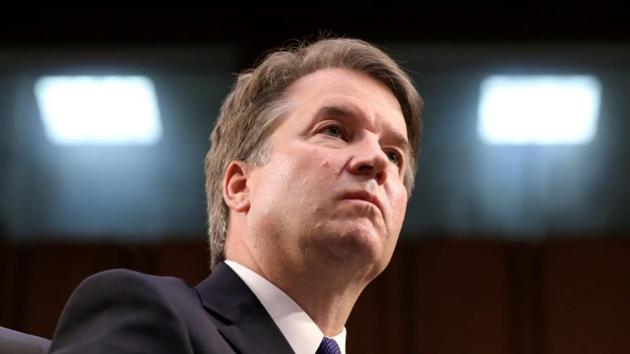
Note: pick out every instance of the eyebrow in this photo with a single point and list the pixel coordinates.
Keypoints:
(342, 110)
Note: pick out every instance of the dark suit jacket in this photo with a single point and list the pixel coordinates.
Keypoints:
(14, 342)
(122, 311)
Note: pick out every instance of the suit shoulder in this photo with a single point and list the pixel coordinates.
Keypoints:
(131, 276)
(118, 309)
(129, 284)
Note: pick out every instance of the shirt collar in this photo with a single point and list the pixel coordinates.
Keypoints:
(297, 327)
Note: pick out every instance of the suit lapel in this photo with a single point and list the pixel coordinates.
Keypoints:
(246, 324)
(256, 337)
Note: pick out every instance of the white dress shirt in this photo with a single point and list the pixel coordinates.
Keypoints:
(297, 327)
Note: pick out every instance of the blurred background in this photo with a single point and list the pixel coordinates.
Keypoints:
(517, 238)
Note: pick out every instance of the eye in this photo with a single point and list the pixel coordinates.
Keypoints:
(333, 130)
(394, 156)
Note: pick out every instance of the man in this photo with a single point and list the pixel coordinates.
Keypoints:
(311, 165)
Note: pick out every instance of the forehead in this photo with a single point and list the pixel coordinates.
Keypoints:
(349, 91)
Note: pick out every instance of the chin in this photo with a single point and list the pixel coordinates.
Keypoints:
(357, 243)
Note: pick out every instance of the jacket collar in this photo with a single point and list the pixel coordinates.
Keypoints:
(247, 325)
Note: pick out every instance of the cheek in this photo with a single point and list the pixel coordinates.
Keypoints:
(329, 167)
(313, 165)
(296, 175)
(398, 198)
(269, 184)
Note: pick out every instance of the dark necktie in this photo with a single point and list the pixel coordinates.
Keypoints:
(328, 346)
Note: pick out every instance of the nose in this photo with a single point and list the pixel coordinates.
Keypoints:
(369, 160)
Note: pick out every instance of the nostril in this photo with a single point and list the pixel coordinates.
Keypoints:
(366, 168)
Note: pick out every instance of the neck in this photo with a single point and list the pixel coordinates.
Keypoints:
(325, 290)
(326, 295)
(327, 301)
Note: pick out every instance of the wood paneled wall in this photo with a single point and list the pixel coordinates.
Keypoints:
(437, 296)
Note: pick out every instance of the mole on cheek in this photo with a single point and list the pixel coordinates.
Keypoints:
(328, 165)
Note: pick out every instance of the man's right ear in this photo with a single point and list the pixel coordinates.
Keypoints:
(235, 191)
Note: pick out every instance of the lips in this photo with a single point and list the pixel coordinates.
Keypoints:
(366, 196)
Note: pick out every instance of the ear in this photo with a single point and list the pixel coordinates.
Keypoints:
(235, 191)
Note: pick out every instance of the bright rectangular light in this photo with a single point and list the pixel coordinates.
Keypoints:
(539, 109)
(99, 109)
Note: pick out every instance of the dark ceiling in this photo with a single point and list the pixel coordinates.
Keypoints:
(261, 27)
(256, 28)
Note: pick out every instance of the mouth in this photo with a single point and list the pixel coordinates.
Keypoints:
(364, 196)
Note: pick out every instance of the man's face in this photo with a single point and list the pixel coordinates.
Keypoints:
(332, 190)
